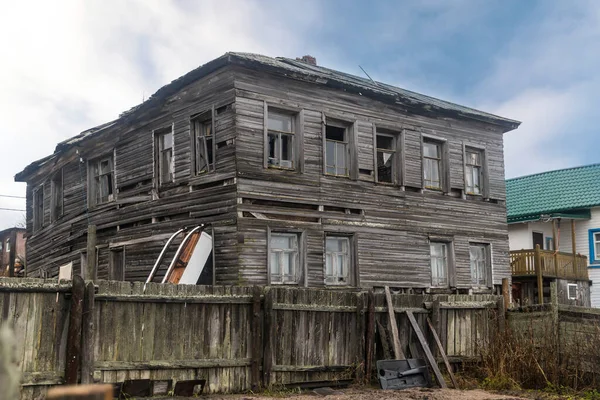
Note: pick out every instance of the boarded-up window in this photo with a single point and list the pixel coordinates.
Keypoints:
(281, 139)
(38, 208)
(439, 264)
(479, 254)
(101, 180)
(57, 196)
(338, 260)
(204, 143)
(284, 258)
(164, 155)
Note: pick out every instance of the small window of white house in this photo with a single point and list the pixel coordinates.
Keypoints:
(101, 180)
(204, 143)
(432, 164)
(57, 196)
(596, 246)
(38, 208)
(439, 264)
(473, 171)
(387, 158)
(284, 258)
(281, 139)
(338, 260)
(572, 291)
(480, 264)
(337, 150)
(164, 155)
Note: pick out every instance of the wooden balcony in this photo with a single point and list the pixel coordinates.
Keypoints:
(549, 264)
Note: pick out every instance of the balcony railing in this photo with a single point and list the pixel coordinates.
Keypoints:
(550, 263)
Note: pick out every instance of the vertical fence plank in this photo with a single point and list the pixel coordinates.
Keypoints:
(370, 336)
(74, 332)
(87, 340)
(269, 337)
(256, 336)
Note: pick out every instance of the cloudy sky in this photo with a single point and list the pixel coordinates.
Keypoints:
(70, 65)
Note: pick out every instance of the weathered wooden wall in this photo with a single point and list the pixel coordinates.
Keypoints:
(226, 335)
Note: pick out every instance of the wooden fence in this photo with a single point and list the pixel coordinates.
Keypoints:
(237, 338)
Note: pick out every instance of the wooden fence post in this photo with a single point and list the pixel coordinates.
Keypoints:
(555, 322)
(369, 342)
(256, 336)
(360, 338)
(505, 293)
(537, 260)
(269, 337)
(90, 268)
(435, 318)
(74, 331)
(87, 338)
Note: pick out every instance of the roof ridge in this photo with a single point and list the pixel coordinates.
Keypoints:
(554, 170)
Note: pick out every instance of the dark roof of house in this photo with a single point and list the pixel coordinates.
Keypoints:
(553, 192)
(9, 230)
(293, 69)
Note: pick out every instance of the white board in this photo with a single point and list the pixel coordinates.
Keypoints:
(195, 266)
(65, 272)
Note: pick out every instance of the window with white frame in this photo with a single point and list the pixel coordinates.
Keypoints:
(38, 208)
(432, 164)
(439, 253)
(164, 155)
(387, 157)
(572, 291)
(284, 258)
(338, 260)
(337, 149)
(596, 246)
(473, 170)
(204, 144)
(101, 180)
(479, 254)
(281, 138)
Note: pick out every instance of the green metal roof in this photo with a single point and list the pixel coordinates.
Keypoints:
(565, 191)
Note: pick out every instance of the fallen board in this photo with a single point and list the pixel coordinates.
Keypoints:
(442, 352)
(398, 353)
(428, 354)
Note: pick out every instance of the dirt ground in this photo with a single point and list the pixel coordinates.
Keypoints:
(375, 394)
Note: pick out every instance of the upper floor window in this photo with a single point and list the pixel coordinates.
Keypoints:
(337, 149)
(439, 253)
(479, 255)
(281, 139)
(204, 143)
(284, 258)
(38, 208)
(473, 170)
(338, 260)
(432, 164)
(594, 246)
(164, 155)
(387, 157)
(56, 205)
(102, 183)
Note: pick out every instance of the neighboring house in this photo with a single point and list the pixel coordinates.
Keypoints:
(304, 176)
(12, 245)
(543, 210)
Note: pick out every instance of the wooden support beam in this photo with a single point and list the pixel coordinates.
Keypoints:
(537, 260)
(574, 248)
(370, 335)
(505, 293)
(74, 331)
(442, 353)
(555, 245)
(398, 353)
(427, 350)
(91, 267)
(87, 332)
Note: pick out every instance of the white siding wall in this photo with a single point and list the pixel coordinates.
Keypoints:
(519, 236)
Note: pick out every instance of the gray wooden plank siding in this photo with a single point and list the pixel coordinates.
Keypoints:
(391, 226)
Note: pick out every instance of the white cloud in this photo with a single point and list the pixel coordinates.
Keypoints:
(70, 65)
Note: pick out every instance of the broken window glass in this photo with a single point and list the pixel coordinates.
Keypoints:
(473, 171)
(280, 130)
(103, 180)
(204, 145)
(164, 141)
(386, 158)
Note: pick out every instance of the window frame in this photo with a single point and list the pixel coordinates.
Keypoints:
(57, 198)
(7, 246)
(488, 267)
(443, 162)
(157, 135)
(450, 262)
(398, 171)
(297, 147)
(569, 286)
(484, 175)
(38, 208)
(202, 119)
(594, 258)
(92, 192)
(301, 258)
(350, 140)
(352, 278)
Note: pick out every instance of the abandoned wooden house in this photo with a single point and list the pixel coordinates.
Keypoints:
(303, 175)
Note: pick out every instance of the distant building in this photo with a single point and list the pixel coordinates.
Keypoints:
(12, 240)
(545, 210)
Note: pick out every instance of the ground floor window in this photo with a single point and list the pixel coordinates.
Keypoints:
(480, 264)
(338, 260)
(439, 264)
(284, 258)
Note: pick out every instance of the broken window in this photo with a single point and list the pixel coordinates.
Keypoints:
(387, 159)
(432, 164)
(439, 264)
(57, 196)
(337, 260)
(336, 150)
(480, 264)
(164, 155)
(102, 180)
(280, 132)
(284, 264)
(473, 170)
(38, 208)
(116, 268)
(204, 143)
